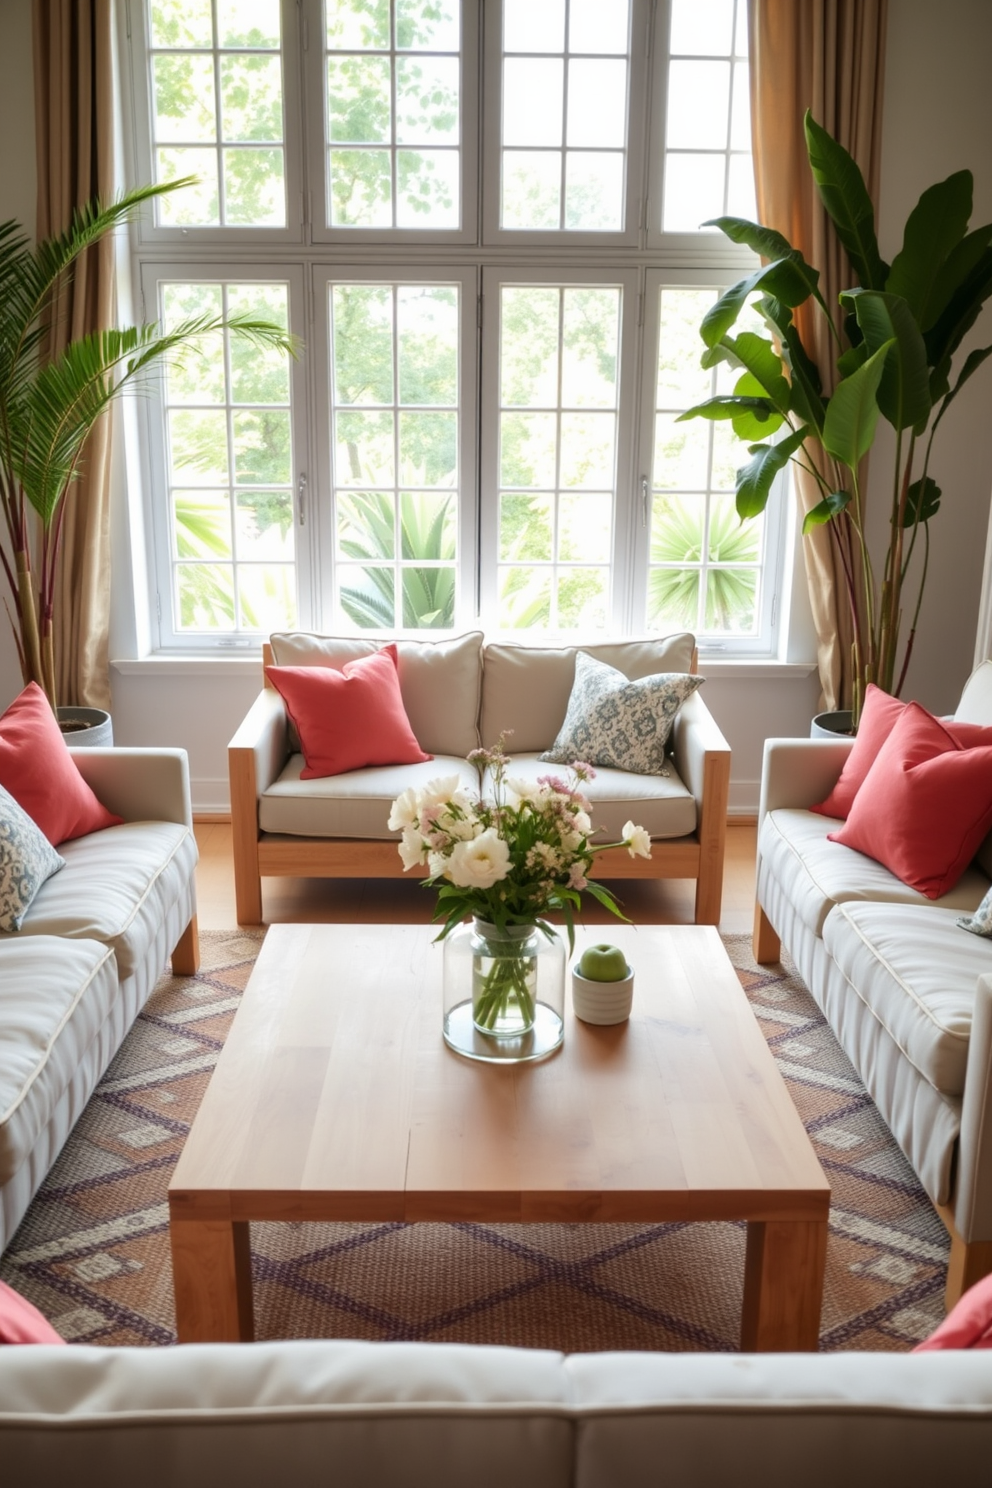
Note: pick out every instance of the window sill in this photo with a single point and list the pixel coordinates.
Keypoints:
(171, 664)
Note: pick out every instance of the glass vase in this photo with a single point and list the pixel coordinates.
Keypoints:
(504, 991)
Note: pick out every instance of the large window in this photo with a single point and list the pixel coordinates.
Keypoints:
(482, 427)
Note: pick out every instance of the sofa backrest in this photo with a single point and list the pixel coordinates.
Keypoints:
(526, 688)
(440, 681)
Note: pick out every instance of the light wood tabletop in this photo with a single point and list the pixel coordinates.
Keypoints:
(335, 1098)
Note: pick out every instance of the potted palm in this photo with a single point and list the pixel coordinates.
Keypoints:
(48, 407)
(896, 330)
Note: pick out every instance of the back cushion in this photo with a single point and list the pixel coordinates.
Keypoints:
(527, 688)
(439, 681)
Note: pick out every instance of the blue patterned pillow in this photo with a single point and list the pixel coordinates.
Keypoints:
(613, 721)
(979, 923)
(27, 858)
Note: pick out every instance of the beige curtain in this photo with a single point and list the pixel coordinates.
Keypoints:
(826, 55)
(74, 128)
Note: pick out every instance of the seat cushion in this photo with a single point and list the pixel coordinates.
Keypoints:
(525, 689)
(55, 996)
(816, 874)
(659, 803)
(352, 805)
(915, 969)
(439, 681)
(117, 887)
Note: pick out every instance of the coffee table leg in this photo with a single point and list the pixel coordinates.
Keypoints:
(783, 1285)
(211, 1272)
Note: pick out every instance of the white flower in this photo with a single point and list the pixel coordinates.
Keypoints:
(411, 848)
(405, 810)
(582, 822)
(576, 876)
(637, 839)
(448, 788)
(521, 791)
(437, 864)
(480, 863)
(461, 828)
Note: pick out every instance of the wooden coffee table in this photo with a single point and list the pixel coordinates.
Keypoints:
(335, 1098)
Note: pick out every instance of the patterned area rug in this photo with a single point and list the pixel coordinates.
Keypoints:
(93, 1250)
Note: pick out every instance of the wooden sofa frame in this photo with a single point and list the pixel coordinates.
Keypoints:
(259, 854)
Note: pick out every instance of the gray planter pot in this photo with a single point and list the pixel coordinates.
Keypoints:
(90, 728)
(829, 725)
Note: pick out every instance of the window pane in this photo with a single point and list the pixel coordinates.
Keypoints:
(403, 521)
(188, 111)
(704, 563)
(578, 131)
(394, 80)
(229, 466)
(558, 431)
(707, 115)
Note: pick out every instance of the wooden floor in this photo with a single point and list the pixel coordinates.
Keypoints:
(381, 901)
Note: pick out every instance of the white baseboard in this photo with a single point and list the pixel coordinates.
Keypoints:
(744, 796)
(211, 795)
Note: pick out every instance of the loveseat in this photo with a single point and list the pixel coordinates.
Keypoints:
(906, 990)
(394, 1415)
(460, 694)
(92, 945)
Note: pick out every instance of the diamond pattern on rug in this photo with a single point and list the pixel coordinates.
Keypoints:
(93, 1250)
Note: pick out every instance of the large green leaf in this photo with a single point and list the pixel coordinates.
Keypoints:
(768, 243)
(959, 314)
(953, 272)
(824, 511)
(904, 391)
(806, 397)
(935, 226)
(973, 361)
(754, 480)
(844, 194)
(785, 279)
(852, 413)
(759, 357)
(756, 423)
(728, 406)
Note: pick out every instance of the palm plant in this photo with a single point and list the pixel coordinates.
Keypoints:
(49, 405)
(679, 543)
(428, 593)
(896, 335)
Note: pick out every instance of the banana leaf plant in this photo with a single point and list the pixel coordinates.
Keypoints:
(896, 332)
(48, 406)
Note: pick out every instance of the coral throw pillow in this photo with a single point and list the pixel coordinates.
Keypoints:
(968, 1325)
(39, 772)
(925, 805)
(20, 1322)
(349, 718)
(879, 716)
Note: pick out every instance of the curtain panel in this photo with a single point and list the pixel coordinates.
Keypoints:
(74, 113)
(828, 56)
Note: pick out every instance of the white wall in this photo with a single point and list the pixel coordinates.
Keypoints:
(937, 118)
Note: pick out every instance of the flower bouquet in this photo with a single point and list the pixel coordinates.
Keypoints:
(507, 859)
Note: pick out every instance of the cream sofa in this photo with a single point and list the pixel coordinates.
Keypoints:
(92, 946)
(458, 694)
(393, 1415)
(907, 992)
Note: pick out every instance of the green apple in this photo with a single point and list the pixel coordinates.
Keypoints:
(603, 963)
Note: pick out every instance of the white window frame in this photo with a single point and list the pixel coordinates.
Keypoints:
(316, 206)
(147, 230)
(466, 562)
(166, 636)
(521, 239)
(515, 275)
(765, 642)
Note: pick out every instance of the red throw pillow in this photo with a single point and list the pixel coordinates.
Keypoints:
(349, 718)
(925, 805)
(41, 775)
(878, 718)
(20, 1322)
(968, 1325)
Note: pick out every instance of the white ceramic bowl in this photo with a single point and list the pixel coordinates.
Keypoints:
(602, 1002)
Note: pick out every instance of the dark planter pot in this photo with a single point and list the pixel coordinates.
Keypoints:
(829, 725)
(90, 728)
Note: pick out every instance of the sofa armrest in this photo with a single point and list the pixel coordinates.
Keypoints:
(263, 733)
(696, 735)
(973, 1196)
(139, 784)
(800, 772)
